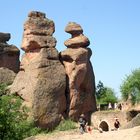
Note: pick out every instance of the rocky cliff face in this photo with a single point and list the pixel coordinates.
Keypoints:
(41, 81)
(80, 76)
(9, 54)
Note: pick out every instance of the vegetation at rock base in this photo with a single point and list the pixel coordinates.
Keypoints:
(131, 86)
(105, 95)
(66, 125)
(13, 118)
(3, 89)
(14, 124)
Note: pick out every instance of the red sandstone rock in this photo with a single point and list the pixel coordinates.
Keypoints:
(73, 28)
(38, 32)
(9, 54)
(80, 76)
(32, 42)
(78, 39)
(6, 76)
(41, 81)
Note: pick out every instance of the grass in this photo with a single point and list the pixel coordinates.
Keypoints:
(66, 125)
(109, 111)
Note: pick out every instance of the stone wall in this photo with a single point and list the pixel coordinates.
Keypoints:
(108, 117)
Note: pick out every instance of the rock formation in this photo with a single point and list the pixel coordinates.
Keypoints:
(133, 123)
(9, 54)
(80, 76)
(41, 81)
(7, 76)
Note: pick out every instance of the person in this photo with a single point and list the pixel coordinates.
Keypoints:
(115, 105)
(89, 129)
(100, 130)
(109, 106)
(119, 106)
(116, 124)
(82, 122)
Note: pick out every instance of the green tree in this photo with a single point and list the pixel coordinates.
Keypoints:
(105, 95)
(109, 96)
(131, 86)
(100, 90)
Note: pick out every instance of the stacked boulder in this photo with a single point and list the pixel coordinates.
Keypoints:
(80, 91)
(9, 54)
(9, 59)
(41, 81)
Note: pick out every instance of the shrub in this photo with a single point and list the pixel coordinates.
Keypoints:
(3, 89)
(66, 125)
(13, 120)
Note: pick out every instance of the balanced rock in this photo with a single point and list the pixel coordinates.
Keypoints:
(4, 37)
(41, 81)
(80, 76)
(74, 29)
(78, 39)
(9, 54)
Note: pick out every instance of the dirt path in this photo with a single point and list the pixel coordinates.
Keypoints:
(127, 134)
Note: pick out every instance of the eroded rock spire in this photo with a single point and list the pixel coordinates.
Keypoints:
(80, 76)
(41, 80)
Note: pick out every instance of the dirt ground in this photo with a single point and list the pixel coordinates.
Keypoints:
(127, 134)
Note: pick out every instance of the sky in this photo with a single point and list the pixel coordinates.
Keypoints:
(112, 26)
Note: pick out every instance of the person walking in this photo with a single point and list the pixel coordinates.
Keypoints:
(116, 124)
(82, 122)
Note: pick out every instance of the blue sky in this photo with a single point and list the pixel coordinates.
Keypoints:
(112, 26)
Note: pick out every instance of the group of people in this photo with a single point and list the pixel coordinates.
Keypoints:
(85, 128)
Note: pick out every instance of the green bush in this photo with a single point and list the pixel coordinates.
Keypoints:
(3, 89)
(13, 119)
(66, 125)
(14, 124)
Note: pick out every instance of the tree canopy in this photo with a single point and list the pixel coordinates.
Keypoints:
(105, 95)
(131, 86)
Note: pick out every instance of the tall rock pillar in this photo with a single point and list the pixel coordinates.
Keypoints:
(41, 81)
(80, 76)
